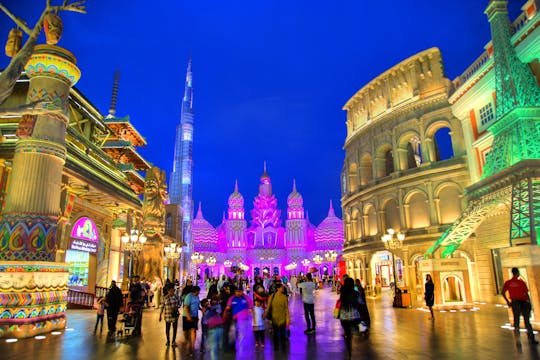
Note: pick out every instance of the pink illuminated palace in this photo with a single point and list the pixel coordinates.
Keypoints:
(265, 246)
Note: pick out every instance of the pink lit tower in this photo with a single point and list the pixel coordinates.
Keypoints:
(181, 188)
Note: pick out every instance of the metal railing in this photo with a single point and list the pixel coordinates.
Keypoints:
(80, 299)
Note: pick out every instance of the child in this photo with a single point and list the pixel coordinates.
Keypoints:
(205, 304)
(258, 323)
(100, 308)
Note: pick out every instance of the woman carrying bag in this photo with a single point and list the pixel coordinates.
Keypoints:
(349, 313)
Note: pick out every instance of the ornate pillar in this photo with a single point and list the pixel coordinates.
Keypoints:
(28, 228)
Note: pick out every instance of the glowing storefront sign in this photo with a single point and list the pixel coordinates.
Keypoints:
(84, 235)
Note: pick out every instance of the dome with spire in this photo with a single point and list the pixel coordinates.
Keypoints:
(330, 230)
(205, 237)
(236, 200)
(295, 200)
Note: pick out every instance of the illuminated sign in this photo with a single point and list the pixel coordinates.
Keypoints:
(85, 229)
(83, 245)
(84, 236)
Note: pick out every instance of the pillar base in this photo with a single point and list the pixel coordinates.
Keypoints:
(33, 295)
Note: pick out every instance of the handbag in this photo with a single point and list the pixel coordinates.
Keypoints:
(337, 309)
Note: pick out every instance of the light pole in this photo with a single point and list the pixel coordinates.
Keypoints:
(172, 252)
(211, 262)
(133, 243)
(196, 258)
(392, 242)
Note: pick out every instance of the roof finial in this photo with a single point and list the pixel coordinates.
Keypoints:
(294, 185)
(114, 97)
(236, 185)
(331, 211)
(264, 166)
(223, 219)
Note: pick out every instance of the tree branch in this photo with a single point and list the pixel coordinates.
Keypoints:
(17, 20)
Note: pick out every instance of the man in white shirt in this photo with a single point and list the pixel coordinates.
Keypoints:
(308, 298)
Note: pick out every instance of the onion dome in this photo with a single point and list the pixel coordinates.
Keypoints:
(330, 230)
(205, 237)
(295, 200)
(236, 200)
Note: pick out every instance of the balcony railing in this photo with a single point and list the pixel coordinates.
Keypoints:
(517, 25)
(80, 299)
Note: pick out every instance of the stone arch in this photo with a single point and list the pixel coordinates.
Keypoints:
(370, 220)
(353, 177)
(448, 197)
(416, 203)
(384, 161)
(409, 152)
(356, 219)
(366, 169)
(439, 140)
(391, 213)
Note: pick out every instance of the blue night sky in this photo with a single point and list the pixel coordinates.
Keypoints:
(270, 78)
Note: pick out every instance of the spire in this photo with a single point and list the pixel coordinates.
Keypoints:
(236, 185)
(114, 97)
(264, 167)
(331, 212)
(294, 185)
(223, 218)
(515, 84)
(187, 101)
(199, 212)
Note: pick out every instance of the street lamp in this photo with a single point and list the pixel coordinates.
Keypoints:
(172, 251)
(317, 259)
(331, 255)
(227, 263)
(392, 242)
(305, 262)
(211, 261)
(133, 243)
(197, 257)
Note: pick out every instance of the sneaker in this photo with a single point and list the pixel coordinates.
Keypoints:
(311, 331)
(307, 331)
(533, 342)
(174, 344)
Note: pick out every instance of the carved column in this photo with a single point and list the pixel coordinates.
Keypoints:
(28, 229)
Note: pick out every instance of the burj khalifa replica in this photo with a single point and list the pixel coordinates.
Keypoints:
(181, 188)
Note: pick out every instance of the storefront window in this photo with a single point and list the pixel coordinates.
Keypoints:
(78, 267)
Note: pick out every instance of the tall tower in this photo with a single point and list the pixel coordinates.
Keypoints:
(182, 175)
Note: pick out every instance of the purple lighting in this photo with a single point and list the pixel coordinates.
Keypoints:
(267, 247)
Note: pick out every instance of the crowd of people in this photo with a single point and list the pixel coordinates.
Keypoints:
(235, 307)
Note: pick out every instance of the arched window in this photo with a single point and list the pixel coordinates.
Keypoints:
(449, 204)
(371, 221)
(366, 169)
(418, 211)
(389, 162)
(443, 144)
(353, 177)
(391, 215)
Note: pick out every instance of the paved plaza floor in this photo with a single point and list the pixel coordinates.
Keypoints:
(395, 334)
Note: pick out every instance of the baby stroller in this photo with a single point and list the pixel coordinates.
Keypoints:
(132, 316)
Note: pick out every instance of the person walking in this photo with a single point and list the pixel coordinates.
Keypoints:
(429, 294)
(114, 300)
(308, 298)
(190, 317)
(519, 302)
(136, 297)
(214, 316)
(240, 306)
(169, 305)
(278, 308)
(349, 314)
(100, 313)
(258, 323)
